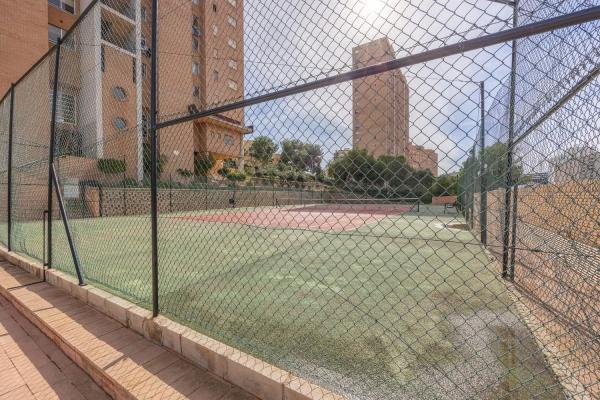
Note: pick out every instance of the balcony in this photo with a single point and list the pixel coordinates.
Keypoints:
(118, 31)
(123, 7)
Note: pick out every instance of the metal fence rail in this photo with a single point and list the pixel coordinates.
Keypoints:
(390, 199)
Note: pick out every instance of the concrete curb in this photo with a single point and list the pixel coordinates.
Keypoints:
(243, 370)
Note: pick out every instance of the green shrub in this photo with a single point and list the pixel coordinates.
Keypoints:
(111, 166)
(186, 173)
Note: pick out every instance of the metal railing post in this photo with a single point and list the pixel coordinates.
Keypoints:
(51, 149)
(154, 160)
(482, 171)
(63, 214)
(10, 160)
(510, 148)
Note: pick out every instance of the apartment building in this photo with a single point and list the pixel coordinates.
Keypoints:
(380, 106)
(104, 84)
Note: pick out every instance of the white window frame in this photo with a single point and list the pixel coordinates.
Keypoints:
(232, 84)
(61, 7)
(69, 44)
(215, 30)
(233, 2)
(60, 109)
(231, 21)
(195, 68)
(232, 43)
(232, 64)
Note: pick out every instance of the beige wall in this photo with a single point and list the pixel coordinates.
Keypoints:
(119, 144)
(556, 266)
(23, 37)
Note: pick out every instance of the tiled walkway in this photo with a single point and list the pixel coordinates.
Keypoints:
(129, 364)
(33, 367)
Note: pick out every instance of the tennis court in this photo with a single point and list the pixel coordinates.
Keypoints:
(394, 301)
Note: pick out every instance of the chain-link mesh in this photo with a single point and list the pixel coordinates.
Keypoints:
(4, 142)
(31, 137)
(427, 231)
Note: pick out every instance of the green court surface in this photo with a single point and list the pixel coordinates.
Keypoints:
(403, 307)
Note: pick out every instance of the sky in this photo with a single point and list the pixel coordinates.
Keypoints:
(296, 41)
(289, 42)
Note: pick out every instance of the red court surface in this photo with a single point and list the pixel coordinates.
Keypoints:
(323, 217)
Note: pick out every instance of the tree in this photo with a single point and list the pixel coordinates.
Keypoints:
(203, 163)
(303, 156)
(495, 158)
(262, 149)
(445, 185)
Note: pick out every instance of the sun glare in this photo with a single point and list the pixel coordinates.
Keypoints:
(371, 8)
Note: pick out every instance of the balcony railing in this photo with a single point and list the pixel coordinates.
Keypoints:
(124, 7)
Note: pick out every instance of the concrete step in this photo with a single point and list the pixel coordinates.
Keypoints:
(122, 362)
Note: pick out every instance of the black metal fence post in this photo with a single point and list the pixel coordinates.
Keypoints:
(482, 171)
(51, 148)
(513, 239)
(154, 159)
(67, 226)
(9, 178)
(510, 148)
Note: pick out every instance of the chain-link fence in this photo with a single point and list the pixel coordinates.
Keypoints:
(390, 199)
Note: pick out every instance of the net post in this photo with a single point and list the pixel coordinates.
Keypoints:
(9, 178)
(67, 226)
(509, 155)
(513, 239)
(482, 172)
(51, 148)
(154, 160)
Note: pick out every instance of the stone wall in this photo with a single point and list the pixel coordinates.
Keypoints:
(441, 200)
(557, 266)
(136, 201)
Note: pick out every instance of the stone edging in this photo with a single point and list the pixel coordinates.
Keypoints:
(243, 370)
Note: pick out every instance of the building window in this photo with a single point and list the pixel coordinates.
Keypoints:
(232, 21)
(195, 44)
(232, 64)
(119, 93)
(228, 139)
(215, 53)
(145, 125)
(134, 71)
(65, 107)
(55, 33)
(215, 30)
(215, 75)
(102, 59)
(65, 5)
(232, 84)
(143, 13)
(232, 43)
(196, 91)
(144, 71)
(119, 123)
(214, 7)
(233, 2)
(195, 68)
(195, 25)
(195, 1)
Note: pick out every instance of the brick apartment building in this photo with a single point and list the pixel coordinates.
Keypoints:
(104, 99)
(381, 110)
